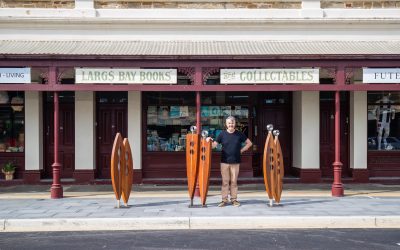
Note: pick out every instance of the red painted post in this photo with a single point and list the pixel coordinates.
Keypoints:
(337, 186)
(198, 78)
(56, 188)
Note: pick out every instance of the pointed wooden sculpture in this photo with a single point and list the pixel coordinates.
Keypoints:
(121, 169)
(117, 162)
(192, 155)
(204, 167)
(280, 170)
(127, 173)
(267, 161)
(273, 167)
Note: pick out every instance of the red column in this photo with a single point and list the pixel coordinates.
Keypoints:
(337, 186)
(198, 78)
(56, 188)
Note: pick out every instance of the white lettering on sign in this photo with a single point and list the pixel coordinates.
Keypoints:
(126, 76)
(15, 75)
(381, 75)
(263, 76)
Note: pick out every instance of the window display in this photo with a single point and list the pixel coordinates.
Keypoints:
(167, 127)
(213, 119)
(170, 115)
(383, 120)
(12, 135)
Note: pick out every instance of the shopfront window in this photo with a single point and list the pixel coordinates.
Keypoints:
(383, 120)
(12, 128)
(218, 106)
(169, 117)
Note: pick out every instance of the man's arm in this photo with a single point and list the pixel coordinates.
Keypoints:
(247, 145)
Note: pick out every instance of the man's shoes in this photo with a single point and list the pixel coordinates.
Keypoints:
(222, 204)
(235, 203)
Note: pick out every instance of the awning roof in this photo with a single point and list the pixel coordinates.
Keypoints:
(198, 48)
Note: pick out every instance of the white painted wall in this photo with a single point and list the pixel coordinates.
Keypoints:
(358, 130)
(135, 127)
(306, 130)
(85, 143)
(33, 131)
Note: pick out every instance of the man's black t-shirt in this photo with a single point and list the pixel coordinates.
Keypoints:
(231, 145)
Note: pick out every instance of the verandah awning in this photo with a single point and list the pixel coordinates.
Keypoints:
(198, 48)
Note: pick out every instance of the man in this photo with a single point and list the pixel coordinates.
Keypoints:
(231, 141)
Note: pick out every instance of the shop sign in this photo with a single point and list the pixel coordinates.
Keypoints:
(125, 76)
(15, 75)
(381, 75)
(269, 76)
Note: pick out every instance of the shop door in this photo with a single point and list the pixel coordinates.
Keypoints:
(327, 134)
(66, 148)
(111, 119)
(280, 117)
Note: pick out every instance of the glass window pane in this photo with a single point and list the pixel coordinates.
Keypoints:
(169, 117)
(383, 120)
(12, 135)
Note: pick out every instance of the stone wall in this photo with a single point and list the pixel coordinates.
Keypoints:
(360, 4)
(197, 4)
(65, 4)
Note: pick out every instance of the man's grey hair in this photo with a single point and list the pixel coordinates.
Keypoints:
(232, 118)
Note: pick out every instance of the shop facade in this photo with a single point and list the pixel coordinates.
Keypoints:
(329, 83)
(156, 118)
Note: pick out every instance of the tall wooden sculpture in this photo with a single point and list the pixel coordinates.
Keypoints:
(121, 169)
(192, 160)
(273, 167)
(204, 167)
(198, 164)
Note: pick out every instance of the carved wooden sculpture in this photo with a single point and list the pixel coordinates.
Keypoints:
(267, 162)
(280, 170)
(273, 167)
(192, 155)
(121, 169)
(127, 172)
(204, 167)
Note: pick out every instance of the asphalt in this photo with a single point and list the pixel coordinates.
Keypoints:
(151, 207)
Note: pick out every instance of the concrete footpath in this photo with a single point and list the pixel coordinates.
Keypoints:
(29, 208)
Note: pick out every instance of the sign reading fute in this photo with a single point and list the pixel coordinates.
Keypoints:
(272, 76)
(15, 75)
(126, 76)
(381, 75)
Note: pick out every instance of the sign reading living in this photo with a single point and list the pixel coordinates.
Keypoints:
(125, 76)
(272, 76)
(15, 75)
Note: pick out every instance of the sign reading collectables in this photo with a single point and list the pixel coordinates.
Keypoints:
(269, 76)
(125, 76)
(15, 75)
(381, 75)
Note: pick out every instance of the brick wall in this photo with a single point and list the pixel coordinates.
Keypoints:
(198, 4)
(360, 4)
(66, 4)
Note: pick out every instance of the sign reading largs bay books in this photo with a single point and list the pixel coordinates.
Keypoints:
(125, 76)
(381, 75)
(266, 76)
(15, 75)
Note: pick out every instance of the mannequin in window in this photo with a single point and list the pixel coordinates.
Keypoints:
(384, 115)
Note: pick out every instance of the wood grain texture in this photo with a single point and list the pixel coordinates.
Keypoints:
(204, 169)
(116, 162)
(192, 155)
(280, 168)
(266, 165)
(127, 172)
